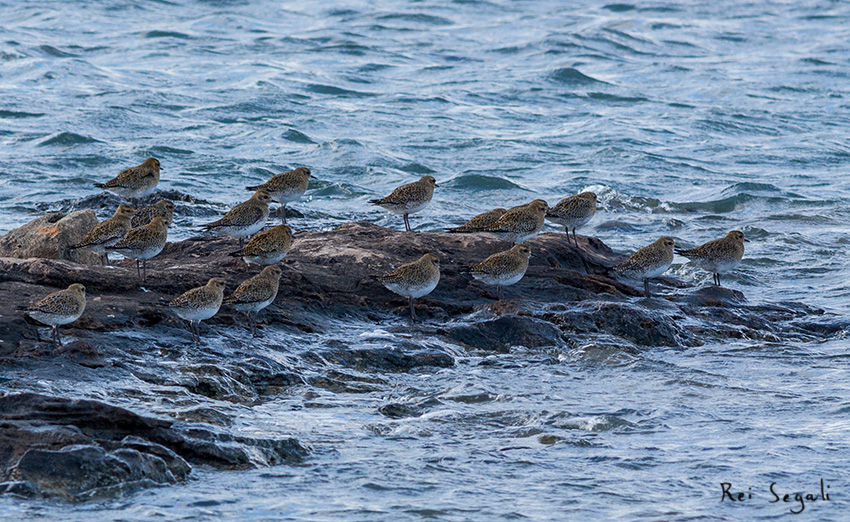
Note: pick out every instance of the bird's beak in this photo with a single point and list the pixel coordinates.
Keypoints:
(746, 240)
(436, 185)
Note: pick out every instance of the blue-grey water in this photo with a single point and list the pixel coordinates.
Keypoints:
(688, 118)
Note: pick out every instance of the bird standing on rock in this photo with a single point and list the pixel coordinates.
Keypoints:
(245, 219)
(719, 256)
(199, 304)
(520, 223)
(256, 293)
(58, 308)
(286, 187)
(648, 262)
(480, 222)
(414, 280)
(268, 247)
(504, 268)
(409, 199)
(162, 208)
(135, 182)
(573, 212)
(143, 243)
(108, 232)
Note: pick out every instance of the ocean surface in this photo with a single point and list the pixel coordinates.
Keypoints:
(688, 118)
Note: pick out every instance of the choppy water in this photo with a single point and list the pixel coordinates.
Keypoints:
(688, 118)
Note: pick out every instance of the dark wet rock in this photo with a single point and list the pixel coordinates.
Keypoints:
(637, 324)
(715, 296)
(499, 335)
(49, 236)
(85, 471)
(79, 449)
(399, 410)
(386, 359)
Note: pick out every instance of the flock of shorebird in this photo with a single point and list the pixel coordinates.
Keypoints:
(141, 234)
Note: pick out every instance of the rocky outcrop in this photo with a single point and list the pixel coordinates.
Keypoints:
(333, 274)
(49, 236)
(567, 301)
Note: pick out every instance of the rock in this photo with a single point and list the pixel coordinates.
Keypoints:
(82, 448)
(49, 236)
(636, 324)
(388, 359)
(499, 335)
(85, 471)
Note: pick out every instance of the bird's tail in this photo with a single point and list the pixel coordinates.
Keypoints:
(100, 185)
(682, 252)
(255, 187)
(375, 201)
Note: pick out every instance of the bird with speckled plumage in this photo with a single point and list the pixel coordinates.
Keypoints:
(409, 199)
(135, 182)
(520, 223)
(59, 308)
(267, 247)
(414, 279)
(573, 212)
(245, 219)
(648, 262)
(286, 187)
(199, 304)
(480, 222)
(108, 232)
(503, 268)
(162, 208)
(719, 256)
(256, 293)
(142, 243)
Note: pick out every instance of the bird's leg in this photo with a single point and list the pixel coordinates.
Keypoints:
(56, 336)
(412, 310)
(104, 260)
(406, 224)
(144, 270)
(283, 213)
(718, 279)
(575, 238)
(646, 288)
(139, 268)
(499, 292)
(241, 242)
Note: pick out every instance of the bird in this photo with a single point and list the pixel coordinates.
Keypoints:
(573, 212)
(245, 219)
(520, 223)
(108, 232)
(144, 215)
(414, 279)
(256, 293)
(409, 199)
(504, 268)
(719, 256)
(58, 308)
(286, 187)
(142, 243)
(480, 222)
(267, 247)
(135, 182)
(648, 262)
(198, 304)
